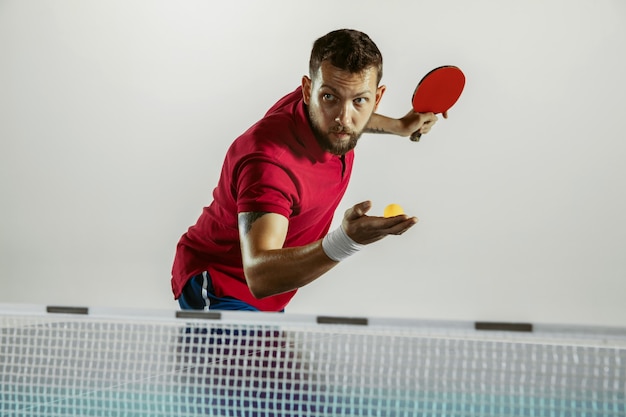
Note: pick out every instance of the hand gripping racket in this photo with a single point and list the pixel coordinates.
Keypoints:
(437, 92)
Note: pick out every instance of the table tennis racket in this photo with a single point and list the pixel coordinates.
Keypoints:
(437, 92)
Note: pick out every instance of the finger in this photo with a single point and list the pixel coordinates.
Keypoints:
(358, 210)
(402, 226)
(445, 114)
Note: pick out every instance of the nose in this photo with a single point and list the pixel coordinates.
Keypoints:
(343, 117)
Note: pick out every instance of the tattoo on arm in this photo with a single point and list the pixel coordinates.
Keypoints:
(375, 130)
(246, 220)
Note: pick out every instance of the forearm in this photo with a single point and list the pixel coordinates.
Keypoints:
(383, 124)
(276, 271)
(405, 126)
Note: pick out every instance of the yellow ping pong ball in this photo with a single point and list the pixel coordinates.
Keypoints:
(393, 210)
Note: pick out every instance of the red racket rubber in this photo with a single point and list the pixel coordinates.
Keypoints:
(437, 92)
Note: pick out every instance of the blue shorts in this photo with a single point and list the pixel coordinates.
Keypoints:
(198, 295)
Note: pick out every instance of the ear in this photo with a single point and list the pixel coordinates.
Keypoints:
(379, 94)
(306, 89)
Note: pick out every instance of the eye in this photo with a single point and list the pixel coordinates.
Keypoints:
(360, 100)
(328, 97)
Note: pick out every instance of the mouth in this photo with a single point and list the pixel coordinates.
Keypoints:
(341, 133)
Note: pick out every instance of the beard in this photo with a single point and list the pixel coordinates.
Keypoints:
(335, 148)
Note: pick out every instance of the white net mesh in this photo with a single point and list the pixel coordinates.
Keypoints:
(278, 365)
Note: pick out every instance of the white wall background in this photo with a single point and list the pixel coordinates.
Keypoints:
(115, 116)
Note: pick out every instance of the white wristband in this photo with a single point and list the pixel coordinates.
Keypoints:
(338, 245)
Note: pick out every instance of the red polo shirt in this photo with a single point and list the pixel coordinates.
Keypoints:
(276, 166)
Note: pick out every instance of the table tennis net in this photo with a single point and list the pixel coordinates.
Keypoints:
(257, 364)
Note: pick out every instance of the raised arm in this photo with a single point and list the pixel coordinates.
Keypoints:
(268, 267)
(405, 126)
(271, 269)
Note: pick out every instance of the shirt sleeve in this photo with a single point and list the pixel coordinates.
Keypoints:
(263, 185)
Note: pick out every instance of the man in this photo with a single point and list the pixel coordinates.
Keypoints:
(265, 234)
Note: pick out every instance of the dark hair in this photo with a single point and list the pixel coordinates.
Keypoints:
(348, 50)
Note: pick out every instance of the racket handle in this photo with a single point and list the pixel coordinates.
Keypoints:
(415, 137)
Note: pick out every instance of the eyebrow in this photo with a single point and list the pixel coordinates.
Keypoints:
(334, 90)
